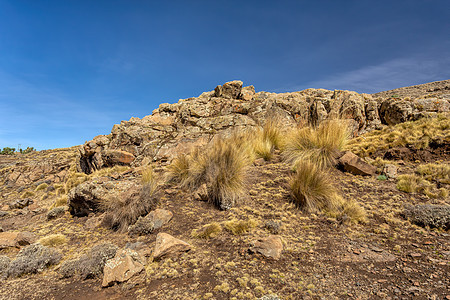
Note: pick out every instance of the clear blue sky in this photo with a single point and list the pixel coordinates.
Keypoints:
(70, 70)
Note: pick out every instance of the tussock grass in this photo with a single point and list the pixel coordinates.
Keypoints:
(437, 172)
(418, 134)
(41, 187)
(266, 139)
(319, 144)
(60, 201)
(121, 212)
(27, 194)
(74, 180)
(53, 240)
(221, 165)
(311, 189)
(412, 183)
(208, 231)
(239, 227)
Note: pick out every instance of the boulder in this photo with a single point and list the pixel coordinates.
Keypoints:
(116, 157)
(351, 163)
(247, 93)
(19, 204)
(390, 171)
(229, 90)
(122, 267)
(87, 197)
(167, 245)
(394, 111)
(269, 247)
(16, 239)
(152, 221)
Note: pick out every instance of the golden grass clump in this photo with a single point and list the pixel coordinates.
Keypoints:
(41, 187)
(437, 172)
(53, 240)
(60, 201)
(319, 144)
(74, 180)
(412, 183)
(311, 189)
(123, 211)
(238, 227)
(27, 194)
(221, 165)
(418, 134)
(353, 212)
(266, 139)
(208, 231)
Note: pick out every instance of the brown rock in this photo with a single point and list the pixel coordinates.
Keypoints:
(159, 217)
(117, 157)
(167, 245)
(390, 171)
(247, 93)
(16, 239)
(25, 238)
(229, 90)
(122, 267)
(355, 165)
(269, 247)
(395, 111)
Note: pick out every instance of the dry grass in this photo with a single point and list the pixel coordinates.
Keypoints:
(60, 201)
(311, 189)
(238, 227)
(412, 183)
(41, 187)
(266, 139)
(436, 172)
(53, 240)
(208, 231)
(418, 134)
(318, 144)
(27, 194)
(121, 212)
(222, 166)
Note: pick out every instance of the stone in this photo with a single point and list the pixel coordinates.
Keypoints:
(167, 245)
(273, 226)
(395, 111)
(201, 194)
(247, 93)
(117, 157)
(353, 164)
(229, 90)
(151, 222)
(390, 171)
(16, 239)
(25, 238)
(19, 204)
(434, 216)
(122, 267)
(269, 247)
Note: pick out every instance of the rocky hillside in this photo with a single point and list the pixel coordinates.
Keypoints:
(140, 213)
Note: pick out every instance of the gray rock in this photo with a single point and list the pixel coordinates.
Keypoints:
(273, 226)
(152, 221)
(19, 204)
(390, 171)
(395, 111)
(33, 259)
(437, 216)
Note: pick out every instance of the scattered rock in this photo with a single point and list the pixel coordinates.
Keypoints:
(19, 204)
(435, 216)
(33, 259)
(3, 213)
(201, 194)
(56, 212)
(5, 262)
(122, 267)
(415, 254)
(269, 247)
(167, 245)
(151, 222)
(269, 297)
(273, 226)
(355, 165)
(90, 265)
(390, 171)
(16, 239)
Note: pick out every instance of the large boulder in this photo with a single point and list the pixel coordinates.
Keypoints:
(122, 267)
(167, 245)
(90, 196)
(229, 90)
(16, 239)
(395, 111)
(270, 246)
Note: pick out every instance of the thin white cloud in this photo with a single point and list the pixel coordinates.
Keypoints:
(385, 76)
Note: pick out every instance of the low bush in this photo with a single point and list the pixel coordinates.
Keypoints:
(33, 259)
(53, 240)
(238, 227)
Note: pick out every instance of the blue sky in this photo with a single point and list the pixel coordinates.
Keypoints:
(70, 70)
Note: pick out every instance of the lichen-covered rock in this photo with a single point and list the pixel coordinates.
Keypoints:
(90, 265)
(395, 111)
(167, 245)
(152, 221)
(437, 216)
(87, 197)
(270, 246)
(33, 259)
(125, 264)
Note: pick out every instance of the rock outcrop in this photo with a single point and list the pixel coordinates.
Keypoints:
(173, 128)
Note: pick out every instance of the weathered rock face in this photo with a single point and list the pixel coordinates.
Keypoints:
(174, 128)
(88, 196)
(353, 164)
(122, 267)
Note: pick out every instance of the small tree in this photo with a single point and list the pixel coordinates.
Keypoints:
(8, 151)
(28, 150)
